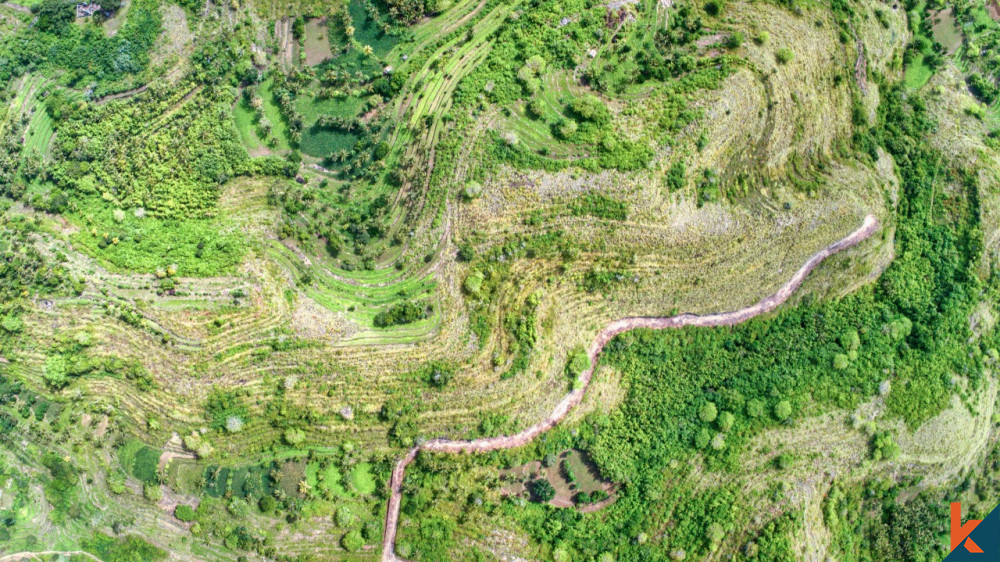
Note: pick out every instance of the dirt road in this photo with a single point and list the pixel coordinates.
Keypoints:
(867, 228)
(22, 556)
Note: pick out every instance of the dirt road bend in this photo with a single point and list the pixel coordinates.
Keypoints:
(867, 228)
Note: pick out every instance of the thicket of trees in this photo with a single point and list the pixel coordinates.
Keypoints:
(24, 273)
(980, 48)
(127, 549)
(82, 50)
(401, 313)
(142, 175)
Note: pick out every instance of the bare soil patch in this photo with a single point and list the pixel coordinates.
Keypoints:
(586, 479)
(102, 427)
(945, 30)
(283, 39)
(317, 42)
(113, 24)
(176, 38)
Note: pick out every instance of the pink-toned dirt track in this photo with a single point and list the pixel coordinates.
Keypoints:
(867, 228)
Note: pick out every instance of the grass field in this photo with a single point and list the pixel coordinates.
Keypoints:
(39, 133)
(362, 479)
(256, 140)
(246, 123)
(918, 72)
(368, 32)
(945, 30)
(317, 42)
(279, 130)
(320, 143)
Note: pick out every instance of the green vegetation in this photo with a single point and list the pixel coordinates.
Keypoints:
(61, 488)
(83, 52)
(253, 254)
(139, 461)
(401, 313)
(542, 491)
(122, 550)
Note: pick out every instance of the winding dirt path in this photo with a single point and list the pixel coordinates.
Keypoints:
(136, 91)
(867, 228)
(44, 554)
(17, 7)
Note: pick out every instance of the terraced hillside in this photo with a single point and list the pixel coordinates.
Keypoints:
(260, 257)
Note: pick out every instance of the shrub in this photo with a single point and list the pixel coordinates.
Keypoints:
(372, 531)
(352, 541)
(12, 324)
(676, 176)
(624, 155)
(840, 362)
(294, 436)
(566, 128)
(440, 375)
(267, 504)
(116, 482)
(152, 492)
(399, 313)
(239, 508)
(884, 447)
(55, 371)
(726, 421)
(542, 491)
(783, 461)
(784, 55)
(984, 89)
(577, 362)
(590, 108)
(535, 108)
(473, 283)
(466, 252)
(599, 205)
(60, 490)
(183, 512)
(783, 410)
(702, 438)
(708, 412)
(121, 550)
(345, 516)
(472, 190)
